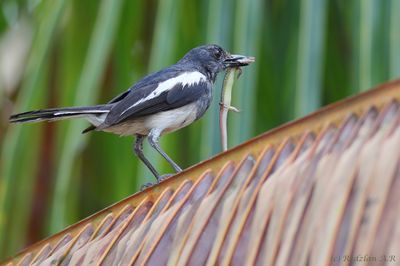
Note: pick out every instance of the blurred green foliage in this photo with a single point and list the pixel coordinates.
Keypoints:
(309, 53)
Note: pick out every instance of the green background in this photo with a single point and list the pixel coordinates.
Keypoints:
(309, 53)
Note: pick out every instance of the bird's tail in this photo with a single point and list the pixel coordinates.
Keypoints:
(89, 112)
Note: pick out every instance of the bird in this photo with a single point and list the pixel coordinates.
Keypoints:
(160, 103)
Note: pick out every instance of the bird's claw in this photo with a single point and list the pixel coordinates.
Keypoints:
(163, 177)
(147, 185)
(159, 179)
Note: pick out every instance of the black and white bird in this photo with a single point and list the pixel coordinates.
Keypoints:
(162, 102)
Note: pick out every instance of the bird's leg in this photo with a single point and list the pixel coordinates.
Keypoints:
(154, 136)
(138, 149)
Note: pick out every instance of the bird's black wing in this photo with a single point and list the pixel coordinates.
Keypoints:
(121, 96)
(150, 80)
(134, 105)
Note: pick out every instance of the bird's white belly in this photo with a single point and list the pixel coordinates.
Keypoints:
(167, 121)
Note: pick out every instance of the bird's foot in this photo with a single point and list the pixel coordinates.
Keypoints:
(164, 177)
(147, 185)
(159, 179)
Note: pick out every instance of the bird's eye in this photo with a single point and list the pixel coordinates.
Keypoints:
(218, 54)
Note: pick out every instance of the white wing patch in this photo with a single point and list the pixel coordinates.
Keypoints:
(187, 78)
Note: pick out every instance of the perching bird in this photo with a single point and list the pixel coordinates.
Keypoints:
(162, 102)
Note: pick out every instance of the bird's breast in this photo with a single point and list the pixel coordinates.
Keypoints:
(173, 120)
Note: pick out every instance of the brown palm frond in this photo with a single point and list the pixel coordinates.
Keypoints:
(321, 190)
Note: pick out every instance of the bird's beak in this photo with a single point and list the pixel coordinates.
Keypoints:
(236, 60)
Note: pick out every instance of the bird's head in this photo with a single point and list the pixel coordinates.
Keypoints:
(214, 59)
